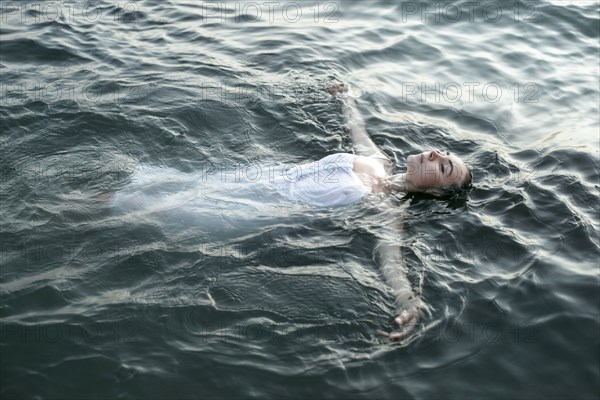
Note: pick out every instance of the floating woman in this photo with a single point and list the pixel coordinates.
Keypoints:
(339, 179)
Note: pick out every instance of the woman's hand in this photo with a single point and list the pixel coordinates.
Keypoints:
(407, 321)
(338, 88)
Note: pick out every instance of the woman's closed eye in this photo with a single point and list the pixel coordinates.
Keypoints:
(451, 166)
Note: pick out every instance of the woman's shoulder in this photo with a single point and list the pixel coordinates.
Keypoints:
(375, 165)
(376, 160)
(383, 160)
(340, 158)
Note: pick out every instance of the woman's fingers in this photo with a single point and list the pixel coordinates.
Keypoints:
(407, 317)
(392, 336)
(336, 88)
(406, 321)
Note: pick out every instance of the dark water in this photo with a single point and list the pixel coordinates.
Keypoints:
(99, 305)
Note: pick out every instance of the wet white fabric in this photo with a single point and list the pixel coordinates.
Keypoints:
(223, 202)
(328, 182)
(206, 205)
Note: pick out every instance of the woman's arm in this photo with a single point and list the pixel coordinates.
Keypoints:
(408, 303)
(362, 142)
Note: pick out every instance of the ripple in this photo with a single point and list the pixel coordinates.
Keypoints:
(31, 51)
(289, 300)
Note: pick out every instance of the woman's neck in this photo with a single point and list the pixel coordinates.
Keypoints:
(398, 183)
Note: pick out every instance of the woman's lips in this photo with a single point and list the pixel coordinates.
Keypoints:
(421, 158)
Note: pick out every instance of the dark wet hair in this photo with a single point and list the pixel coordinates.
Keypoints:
(468, 180)
(452, 191)
(454, 197)
(456, 192)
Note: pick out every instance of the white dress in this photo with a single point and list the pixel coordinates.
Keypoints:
(226, 200)
(328, 182)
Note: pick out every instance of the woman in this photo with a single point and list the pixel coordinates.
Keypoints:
(428, 172)
(223, 206)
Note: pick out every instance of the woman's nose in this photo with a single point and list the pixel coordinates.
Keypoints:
(433, 155)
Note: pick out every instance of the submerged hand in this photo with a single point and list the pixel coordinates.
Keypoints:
(338, 88)
(407, 321)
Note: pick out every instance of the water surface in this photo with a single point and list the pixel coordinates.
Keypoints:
(96, 304)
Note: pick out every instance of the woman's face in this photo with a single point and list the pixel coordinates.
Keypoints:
(430, 170)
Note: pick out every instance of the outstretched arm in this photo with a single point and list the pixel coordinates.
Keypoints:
(361, 141)
(408, 303)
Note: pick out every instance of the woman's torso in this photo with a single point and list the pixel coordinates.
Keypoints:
(372, 172)
(335, 180)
